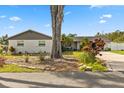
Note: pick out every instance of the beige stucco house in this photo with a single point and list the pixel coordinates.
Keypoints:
(34, 42)
(108, 43)
(77, 41)
(31, 41)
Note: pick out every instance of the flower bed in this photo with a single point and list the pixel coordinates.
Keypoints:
(47, 64)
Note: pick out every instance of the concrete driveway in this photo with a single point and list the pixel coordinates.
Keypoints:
(62, 80)
(115, 62)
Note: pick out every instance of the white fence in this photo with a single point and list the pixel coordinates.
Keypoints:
(115, 46)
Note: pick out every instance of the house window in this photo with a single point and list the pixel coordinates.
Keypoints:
(20, 43)
(41, 43)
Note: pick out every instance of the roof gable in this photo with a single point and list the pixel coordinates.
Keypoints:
(30, 35)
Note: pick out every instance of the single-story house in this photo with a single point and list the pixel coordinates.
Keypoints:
(77, 41)
(31, 42)
(108, 43)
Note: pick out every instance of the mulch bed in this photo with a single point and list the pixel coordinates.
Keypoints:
(65, 64)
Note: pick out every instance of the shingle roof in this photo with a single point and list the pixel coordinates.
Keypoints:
(91, 38)
(30, 35)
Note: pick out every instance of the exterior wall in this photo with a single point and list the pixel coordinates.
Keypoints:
(115, 46)
(78, 45)
(74, 45)
(32, 46)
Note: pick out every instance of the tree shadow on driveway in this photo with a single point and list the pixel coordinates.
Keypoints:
(33, 84)
(98, 79)
(76, 80)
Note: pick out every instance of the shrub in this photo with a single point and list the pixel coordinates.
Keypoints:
(91, 63)
(26, 58)
(2, 61)
(12, 49)
(98, 67)
(20, 53)
(94, 46)
(41, 57)
(87, 57)
(107, 49)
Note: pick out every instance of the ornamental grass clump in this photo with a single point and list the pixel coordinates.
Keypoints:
(87, 57)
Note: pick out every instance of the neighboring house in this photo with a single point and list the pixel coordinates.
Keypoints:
(78, 40)
(31, 42)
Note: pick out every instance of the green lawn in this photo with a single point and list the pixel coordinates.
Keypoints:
(118, 52)
(72, 53)
(15, 68)
(8, 56)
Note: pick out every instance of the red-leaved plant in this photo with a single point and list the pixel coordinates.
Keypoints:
(2, 61)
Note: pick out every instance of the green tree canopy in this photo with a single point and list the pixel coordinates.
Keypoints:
(67, 40)
(116, 36)
(84, 42)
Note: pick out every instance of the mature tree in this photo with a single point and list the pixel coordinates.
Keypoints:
(57, 18)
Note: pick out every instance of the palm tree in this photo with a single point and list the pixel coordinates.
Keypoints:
(57, 18)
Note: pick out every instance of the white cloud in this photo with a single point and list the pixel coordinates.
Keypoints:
(97, 6)
(102, 21)
(106, 16)
(11, 27)
(67, 13)
(3, 16)
(15, 18)
(47, 25)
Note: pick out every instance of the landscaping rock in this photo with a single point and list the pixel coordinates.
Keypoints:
(81, 64)
(47, 69)
(88, 68)
(53, 69)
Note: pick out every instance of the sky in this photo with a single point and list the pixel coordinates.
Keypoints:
(83, 20)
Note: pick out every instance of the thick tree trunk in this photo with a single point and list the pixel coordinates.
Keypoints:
(56, 13)
(53, 30)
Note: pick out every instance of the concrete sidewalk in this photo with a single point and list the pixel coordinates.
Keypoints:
(115, 62)
(62, 80)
